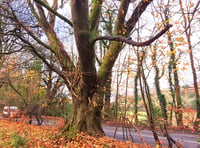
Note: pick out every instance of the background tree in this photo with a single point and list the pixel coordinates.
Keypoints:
(158, 76)
(173, 72)
(53, 85)
(146, 96)
(7, 43)
(188, 16)
(118, 77)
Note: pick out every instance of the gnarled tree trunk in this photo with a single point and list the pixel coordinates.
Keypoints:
(86, 115)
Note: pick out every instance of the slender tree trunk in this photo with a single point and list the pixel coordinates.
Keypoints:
(136, 98)
(1, 44)
(160, 96)
(119, 78)
(136, 77)
(126, 92)
(161, 99)
(178, 98)
(117, 97)
(177, 93)
(107, 98)
(147, 99)
(149, 110)
(173, 104)
(151, 116)
(195, 82)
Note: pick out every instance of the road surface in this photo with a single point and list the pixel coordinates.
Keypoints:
(187, 140)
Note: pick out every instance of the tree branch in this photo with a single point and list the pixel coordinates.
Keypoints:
(33, 49)
(141, 7)
(10, 52)
(17, 91)
(119, 24)
(95, 14)
(28, 31)
(130, 41)
(54, 12)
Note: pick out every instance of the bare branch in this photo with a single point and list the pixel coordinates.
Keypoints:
(10, 52)
(141, 7)
(28, 31)
(32, 47)
(130, 41)
(54, 12)
(193, 14)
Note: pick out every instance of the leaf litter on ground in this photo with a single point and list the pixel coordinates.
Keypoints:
(50, 137)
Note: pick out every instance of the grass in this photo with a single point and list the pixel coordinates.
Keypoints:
(198, 140)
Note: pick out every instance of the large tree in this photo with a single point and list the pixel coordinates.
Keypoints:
(85, 81)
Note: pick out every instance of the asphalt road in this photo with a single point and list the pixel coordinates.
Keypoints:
(187, 140)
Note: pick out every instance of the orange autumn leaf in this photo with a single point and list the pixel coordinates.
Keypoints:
(191, 4)
(180, 39)
(183, 68)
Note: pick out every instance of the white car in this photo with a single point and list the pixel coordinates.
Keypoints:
(10, 112)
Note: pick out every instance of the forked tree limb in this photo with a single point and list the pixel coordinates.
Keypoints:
(54, 12)
(130, 41)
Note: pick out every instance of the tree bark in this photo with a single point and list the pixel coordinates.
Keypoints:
(87, 105)
(107, 99)
(157, 77)
(136, 98)
(86, 115)
(197, 122)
